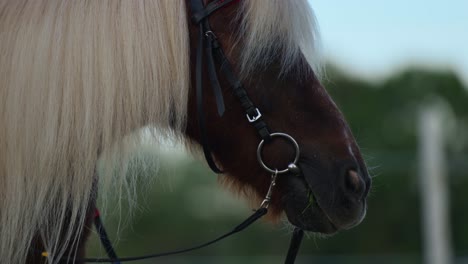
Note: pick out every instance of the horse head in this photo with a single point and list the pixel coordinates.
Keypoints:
(329, 192)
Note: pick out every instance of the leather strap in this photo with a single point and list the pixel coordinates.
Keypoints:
(294, 245)
(212, 70)
(200, 112)
(247, 222)
(104, 237)
(201, 13)
(249, 108)
(197, 6)
(214, 51)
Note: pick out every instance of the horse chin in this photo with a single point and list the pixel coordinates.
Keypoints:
(302, 209)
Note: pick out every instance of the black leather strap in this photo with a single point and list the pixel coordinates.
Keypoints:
(236, 85)
(247, 222)
(294, 245)
(197, 7)
(105, 241)
(199, 14)
(213, 49)
(239, 91)
(212, 70)
(201, 114)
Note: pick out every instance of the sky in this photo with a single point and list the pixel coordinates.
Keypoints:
(375, 38)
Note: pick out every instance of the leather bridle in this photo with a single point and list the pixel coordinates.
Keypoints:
(209, 46)
(208, 41)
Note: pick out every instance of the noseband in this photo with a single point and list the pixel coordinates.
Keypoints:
(208, 42)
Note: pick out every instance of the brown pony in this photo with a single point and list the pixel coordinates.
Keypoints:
(80, 79)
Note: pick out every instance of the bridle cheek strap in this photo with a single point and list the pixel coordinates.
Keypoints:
(199, 95)
(200, 12)
(252, 113)
(205, 47)
(213, 51)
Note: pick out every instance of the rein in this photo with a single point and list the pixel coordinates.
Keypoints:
(213, 52)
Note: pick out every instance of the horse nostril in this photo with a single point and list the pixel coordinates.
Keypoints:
(354, 183)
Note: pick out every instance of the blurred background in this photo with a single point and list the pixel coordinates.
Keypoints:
(398, 70)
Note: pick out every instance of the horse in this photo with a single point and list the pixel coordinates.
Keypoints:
(79, 80)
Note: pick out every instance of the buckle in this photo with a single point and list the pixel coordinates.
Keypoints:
(255, 117)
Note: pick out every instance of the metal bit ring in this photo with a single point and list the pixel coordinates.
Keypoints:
(290, 139)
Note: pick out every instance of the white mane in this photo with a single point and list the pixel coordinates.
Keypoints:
(285, 27)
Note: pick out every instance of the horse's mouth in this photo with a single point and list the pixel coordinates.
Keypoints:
(304, 209)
